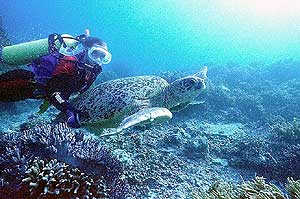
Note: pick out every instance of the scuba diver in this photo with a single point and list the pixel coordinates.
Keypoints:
(61, 65)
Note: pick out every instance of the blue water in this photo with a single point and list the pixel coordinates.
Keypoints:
(147, 36)
(244, 125)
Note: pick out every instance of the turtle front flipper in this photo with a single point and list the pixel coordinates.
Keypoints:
(146, 116)
(143, 117)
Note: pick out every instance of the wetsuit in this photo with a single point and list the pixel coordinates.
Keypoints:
(69, 77)
(53, 77)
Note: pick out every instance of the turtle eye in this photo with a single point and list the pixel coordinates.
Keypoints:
(199, 85)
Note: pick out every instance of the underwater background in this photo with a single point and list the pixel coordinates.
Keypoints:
(244, 127)
(169, 34)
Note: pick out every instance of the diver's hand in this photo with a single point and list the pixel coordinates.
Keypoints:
(73, 120)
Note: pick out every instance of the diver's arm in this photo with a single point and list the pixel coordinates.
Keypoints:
(58, 92)
(59, 102)
(59, 89)
(73, 116)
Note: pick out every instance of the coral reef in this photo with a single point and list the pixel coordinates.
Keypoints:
(53, 179)
(248, 93)
(244, 127)
(257, 188)
(64, 144)
(160, 165)
(196, 148)
(293, 188)
(259, 150)
(255, 96)
(287, 131)
(217, 190)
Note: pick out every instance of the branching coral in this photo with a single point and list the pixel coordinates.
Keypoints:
(258, 188)
(54, 179)
(64, 144)
(293, 188)
(14, 158)
(218, 190)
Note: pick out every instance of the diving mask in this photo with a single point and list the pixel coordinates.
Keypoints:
(99, 54)
(70, 45)
(71, 51)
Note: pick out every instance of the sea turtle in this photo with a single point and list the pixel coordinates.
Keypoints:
(138, 100)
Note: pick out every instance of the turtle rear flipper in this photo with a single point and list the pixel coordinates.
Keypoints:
(143, 117)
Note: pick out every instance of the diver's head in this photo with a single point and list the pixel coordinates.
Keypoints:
(97, 51)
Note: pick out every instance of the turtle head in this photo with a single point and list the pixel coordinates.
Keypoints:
(184, 90)
(202, 73)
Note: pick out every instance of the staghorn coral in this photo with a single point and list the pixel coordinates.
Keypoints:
(218, 190)
(54, 179)
(293, 188)
(13, 159)
(61, 143)
(257, 188)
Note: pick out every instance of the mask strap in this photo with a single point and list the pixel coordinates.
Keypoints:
(51, 42)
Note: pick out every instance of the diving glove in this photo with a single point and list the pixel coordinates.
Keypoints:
(73, 120)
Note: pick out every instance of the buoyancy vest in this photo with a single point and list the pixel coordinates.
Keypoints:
(50, 66)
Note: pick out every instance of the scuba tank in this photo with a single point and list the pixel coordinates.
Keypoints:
(25, 53)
